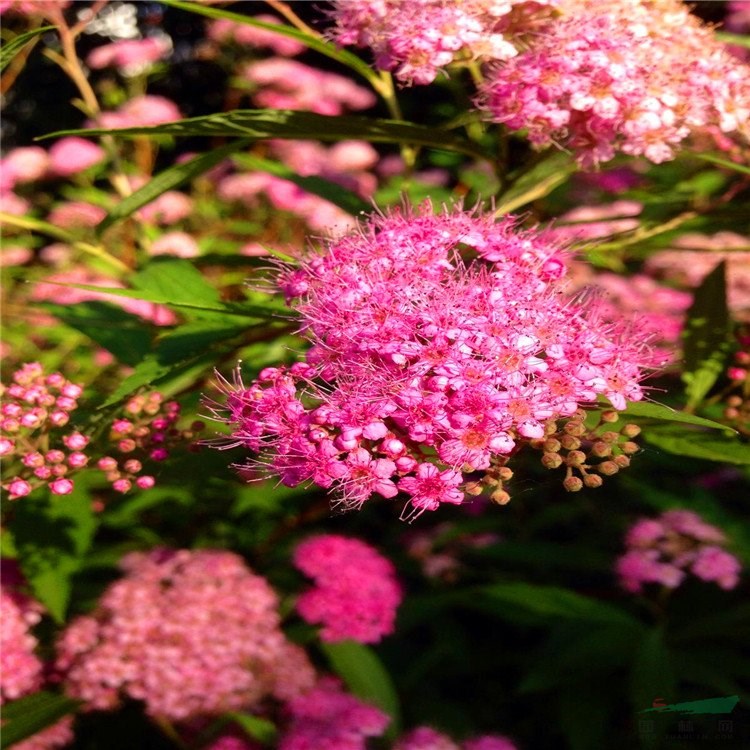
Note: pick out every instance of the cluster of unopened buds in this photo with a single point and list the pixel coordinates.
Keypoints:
(594, 453)
(40, 447)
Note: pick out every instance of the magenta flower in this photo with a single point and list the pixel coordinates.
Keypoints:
(421, 358)
(356, 593)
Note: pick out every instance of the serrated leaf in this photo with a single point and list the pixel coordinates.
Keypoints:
(52, 534)
(33, 713)
(366, 677)
(339, 196)
(667, 414)
(706, 446)
(10, 49)
(124, 335)
(316, 43)
(170, 178)
(546, 603)
(262, 124)
(706, 336)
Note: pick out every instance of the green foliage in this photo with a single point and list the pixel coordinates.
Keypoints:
(52, 533)
(280, 123)
(706, 337)
(364, 675)
(33, 713)
(681, 442)
(10, 49)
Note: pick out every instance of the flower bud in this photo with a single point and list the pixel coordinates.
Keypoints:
(610, 437)
(622, 461)
(500, 497)
(631, 430)
(629, 448)
(608, 468)
(609, 416)
(61, 487)
(575, 428)
(600, 449)
(573, 484)
(551, 460)
(593, 480)
(570, 443)
(575, 458)
(552, 445)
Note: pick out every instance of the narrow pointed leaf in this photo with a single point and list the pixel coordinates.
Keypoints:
(169, 179)
(10, 49)
(281, 123)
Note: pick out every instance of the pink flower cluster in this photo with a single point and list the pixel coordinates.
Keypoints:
(140, 111)
(662, 550)
(620, 75)
(427, 738)
(130, 55)
(223, 30)
(21, 669)
(34, 430)
(418, 38)
(426, 368)
(327, 718)
(356, 593)
(190, 633)
(289, 84)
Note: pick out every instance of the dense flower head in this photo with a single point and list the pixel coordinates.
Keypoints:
(664, 549)
(427, 368)
(144, 110)
(416, 39)
(191, 634)
(72, 155)
(224, 30)
(356, 593)
(21, 670)
(130, 55)
(620, 75)
(327, 718)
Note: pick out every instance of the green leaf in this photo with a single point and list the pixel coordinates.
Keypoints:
(10, 49)
(740, 40)
(365, 676)
(255, 727)
(723, 163)
(316, 43)
(125, 335)
(170, 178)
(545, 603)
(175, 281)
(31, 714)
(194, 338)
(709, 447)
(652, 675)
(281, 123)
(537, 183)
(706, 336)
(52, 534)
(667, 414)
(339, 196)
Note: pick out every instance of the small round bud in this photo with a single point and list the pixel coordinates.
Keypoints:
(573, 484)
(609, 416)
(622, 461)
(610, 437)
(107, 463)
(575, 428)
(61, 487)
(500, 497)
(630, 430)
(490, 481)
(570, 443)
(126, 446)
(629, 448)
(18, 488)
(734, 401)
(505, 473)
(145, 482)
(551, 460)
(600, 449)
(731, 413)
(608, 468)
(593, 480)
(473, 488)
(121, 485)
(552, 445)
(575, 458)
(550, 428)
